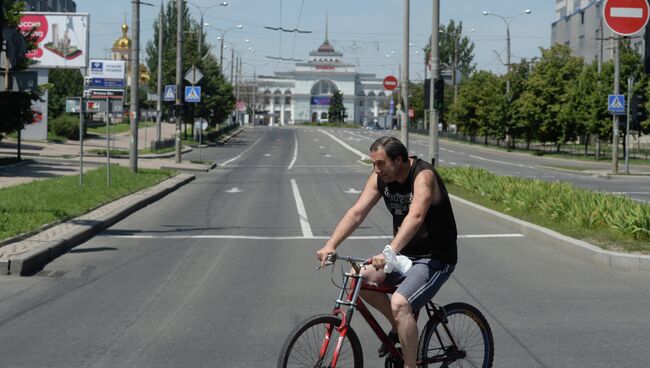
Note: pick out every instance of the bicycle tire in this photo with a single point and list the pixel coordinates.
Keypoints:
(471, 331)
(302, 346)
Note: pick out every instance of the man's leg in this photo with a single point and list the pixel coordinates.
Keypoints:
(407, 328)
(379, 301)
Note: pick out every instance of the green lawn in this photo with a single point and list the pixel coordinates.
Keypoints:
(117, 128)
(27, 207)
(608, 221)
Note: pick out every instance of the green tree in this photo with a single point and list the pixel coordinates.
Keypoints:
(479, 109)
(336, 109)
(217, 100)
(546, 92)
(63, 83)
(454, 50)
(16, 106)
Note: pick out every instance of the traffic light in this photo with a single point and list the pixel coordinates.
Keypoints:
(439, 94)
(638, 113)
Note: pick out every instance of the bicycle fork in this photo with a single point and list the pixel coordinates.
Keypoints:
(346, 317)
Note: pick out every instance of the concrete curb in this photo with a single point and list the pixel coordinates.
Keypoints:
(575, 247)
(227, 138)
(34, 259)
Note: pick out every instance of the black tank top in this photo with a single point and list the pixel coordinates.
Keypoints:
(436, 237)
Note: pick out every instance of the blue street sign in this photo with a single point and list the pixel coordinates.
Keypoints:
(616, 104)
(192, 94)
(392, 107)
(170, 93)
(109, 83)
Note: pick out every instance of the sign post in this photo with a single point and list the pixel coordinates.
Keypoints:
(625, 18)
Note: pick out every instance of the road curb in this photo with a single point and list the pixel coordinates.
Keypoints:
(34, 259)
(575, 247)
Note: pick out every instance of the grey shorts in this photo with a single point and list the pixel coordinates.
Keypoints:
(421, 282)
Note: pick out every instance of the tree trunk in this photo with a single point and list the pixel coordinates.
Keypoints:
(597, 147)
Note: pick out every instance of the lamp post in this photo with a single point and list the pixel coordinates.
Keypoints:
(223, 35)
(202, 10)
(507, 21)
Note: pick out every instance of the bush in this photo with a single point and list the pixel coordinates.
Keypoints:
(66, 126)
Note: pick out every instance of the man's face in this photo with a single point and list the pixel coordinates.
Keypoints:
(383, 166)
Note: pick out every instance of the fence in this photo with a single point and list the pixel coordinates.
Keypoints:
(588, 147)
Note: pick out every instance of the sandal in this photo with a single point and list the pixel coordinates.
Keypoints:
(383, 350)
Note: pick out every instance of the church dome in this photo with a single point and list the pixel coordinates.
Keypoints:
(123, 43)
(326, 47)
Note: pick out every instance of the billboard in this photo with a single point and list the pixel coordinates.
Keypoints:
(61, 39)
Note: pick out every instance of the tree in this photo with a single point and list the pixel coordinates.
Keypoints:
(16, 106)
(63, 83)
(479, 109)
(336, 110)
(217, 100)
(454, 50)
(546, 92)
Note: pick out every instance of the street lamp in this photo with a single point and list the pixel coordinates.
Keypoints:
(223, 35)
(202, 10)
(507, 21)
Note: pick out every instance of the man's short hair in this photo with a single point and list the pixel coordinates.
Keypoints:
(392, 146)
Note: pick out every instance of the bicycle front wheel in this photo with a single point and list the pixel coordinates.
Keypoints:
(313, 344)
(471, 332)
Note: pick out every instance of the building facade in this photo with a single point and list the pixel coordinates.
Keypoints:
(63, 6)
(579, 24)
(303, 95)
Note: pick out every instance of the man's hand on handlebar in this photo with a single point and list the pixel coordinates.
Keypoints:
(378, 262)
(324, 253)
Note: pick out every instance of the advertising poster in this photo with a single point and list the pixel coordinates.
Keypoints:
(61, 38)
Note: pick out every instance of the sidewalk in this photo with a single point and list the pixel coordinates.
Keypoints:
(57, 159)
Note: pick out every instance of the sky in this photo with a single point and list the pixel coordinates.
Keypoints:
(364, 30)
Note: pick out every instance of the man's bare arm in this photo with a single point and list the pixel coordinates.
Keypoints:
(423, 193)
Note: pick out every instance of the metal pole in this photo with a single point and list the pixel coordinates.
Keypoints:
(221, 54)
(237, 82)
(405, 78)
(200, 33)
(254, 93)
(159, 89)
(630, 82)
(508, 55)
(435, 74)
(81, 141)
(108, 143)
(617, 77)
(232, 63)
(179, 74)
(135, 80)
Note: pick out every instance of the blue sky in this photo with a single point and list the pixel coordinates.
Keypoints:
(365, 30)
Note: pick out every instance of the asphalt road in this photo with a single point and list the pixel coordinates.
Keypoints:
(217, 273)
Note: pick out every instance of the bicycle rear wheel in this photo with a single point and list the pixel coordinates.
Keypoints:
(304, 345)
(470, 330)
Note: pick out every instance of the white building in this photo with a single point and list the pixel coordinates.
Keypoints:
(303, 95)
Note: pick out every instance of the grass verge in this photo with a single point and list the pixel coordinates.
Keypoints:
(610, 222)
(27, 207)
(117, 128)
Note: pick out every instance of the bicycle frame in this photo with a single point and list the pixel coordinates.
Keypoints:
(351, 300)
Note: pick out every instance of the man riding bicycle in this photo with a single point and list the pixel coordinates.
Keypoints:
(424, 230)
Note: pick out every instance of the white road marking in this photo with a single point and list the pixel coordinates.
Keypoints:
(453, 163)
(315, 139)
(267, 154)
(252, 237)
(295, 152)
(352, 191)
(241, 154)
(234, 190)
(623, 193)
(501, 162)
(353, 150)
(302, 214)
(321, 147)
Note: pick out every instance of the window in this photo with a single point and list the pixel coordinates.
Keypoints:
(323, 87)
(323, 116)
(582, 17)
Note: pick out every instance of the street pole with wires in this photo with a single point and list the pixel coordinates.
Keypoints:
(405, 77)
(179, 75)
(435, 74)
(135, 80)
(159, 86)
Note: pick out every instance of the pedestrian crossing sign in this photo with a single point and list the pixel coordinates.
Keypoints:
(193, 94)
(170, 93)
(616, 104)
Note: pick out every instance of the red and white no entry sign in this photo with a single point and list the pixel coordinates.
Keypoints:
(626, 17)
(390, 83)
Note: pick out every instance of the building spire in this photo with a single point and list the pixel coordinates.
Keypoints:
(326, 26)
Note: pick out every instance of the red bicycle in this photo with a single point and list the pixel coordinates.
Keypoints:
(456, 335)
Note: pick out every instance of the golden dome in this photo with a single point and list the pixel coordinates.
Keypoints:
(144, 74)
(123, 43)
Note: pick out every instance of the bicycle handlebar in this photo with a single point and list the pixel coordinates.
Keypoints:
(332, 258)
